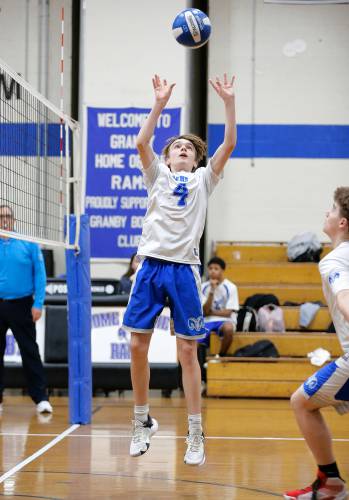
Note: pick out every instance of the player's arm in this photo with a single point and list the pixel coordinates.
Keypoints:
(225, 91)
(224, 313)
(39, 273)
(207, 307)
(342, 299)
(162, 92)
(208, 304)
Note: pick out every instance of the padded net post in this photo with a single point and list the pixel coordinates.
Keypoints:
(79, 323)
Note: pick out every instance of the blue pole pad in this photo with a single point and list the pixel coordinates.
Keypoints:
(79, 323)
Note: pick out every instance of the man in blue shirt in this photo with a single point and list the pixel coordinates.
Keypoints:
(22, 294)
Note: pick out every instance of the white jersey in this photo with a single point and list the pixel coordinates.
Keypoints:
(225, 297)
(334, 270)
(176, 212)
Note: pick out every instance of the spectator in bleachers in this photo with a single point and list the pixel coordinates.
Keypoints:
(127, 279)
(221, 303)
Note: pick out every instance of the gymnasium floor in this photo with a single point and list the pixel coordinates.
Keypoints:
(253, 451)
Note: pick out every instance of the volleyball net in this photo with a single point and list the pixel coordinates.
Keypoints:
(36, 142)
(42, 193)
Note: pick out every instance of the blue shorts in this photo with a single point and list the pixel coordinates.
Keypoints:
(329, 386)
(156, 281)
(215, 327)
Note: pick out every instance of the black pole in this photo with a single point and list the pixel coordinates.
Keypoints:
(75, 54)
(197, 83)
(75, 59)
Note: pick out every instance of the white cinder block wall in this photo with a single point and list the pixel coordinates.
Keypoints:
(278, 197)
(20, 38)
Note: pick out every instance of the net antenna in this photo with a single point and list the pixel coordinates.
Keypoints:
(35, 159)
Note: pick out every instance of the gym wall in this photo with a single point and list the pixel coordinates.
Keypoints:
(291, 67)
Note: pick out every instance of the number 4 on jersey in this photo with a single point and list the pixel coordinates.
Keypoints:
(181, 191)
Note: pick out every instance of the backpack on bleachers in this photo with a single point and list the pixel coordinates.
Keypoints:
(304, 247)
(247, 318)
(260, 349)
(270, 319)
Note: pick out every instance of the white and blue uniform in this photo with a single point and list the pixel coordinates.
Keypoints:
(172, 228)
(225, 297)
(330, 385)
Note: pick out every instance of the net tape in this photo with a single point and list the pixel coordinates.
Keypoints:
(35, 155)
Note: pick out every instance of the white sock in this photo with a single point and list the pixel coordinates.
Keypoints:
(194, 422)
(141, 413)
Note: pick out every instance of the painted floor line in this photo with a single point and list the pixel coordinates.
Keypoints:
(128, 436)
(37, 454)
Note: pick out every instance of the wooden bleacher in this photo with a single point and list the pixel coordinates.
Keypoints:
(263, 268)
(270, 273)
(289, 344)
(320, 323)
(255, 252)
(258, 377)
(295, 293)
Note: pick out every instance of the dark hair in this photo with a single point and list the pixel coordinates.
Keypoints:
(130, 271)
(341, 197)
(217, 260)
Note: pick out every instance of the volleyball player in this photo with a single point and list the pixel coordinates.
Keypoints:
(178, 192)
(329, 386)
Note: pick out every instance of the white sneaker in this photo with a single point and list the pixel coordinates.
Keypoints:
(44, 407)
(141, 434)
(195, 454)
(217, 359)
(44, 418)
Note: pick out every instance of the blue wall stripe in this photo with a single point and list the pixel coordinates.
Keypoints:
(258, 141)
(21, 139)
(285, 141)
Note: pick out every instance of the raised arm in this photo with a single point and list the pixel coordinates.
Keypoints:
(225, 91)
(162, 91)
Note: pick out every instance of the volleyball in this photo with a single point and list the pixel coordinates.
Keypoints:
(191, 28)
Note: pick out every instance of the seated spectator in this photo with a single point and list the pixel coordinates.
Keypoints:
(127, 279)
(221, 303)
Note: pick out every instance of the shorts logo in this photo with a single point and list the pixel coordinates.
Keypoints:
(196, 324)
(333, 276)
(312, 382)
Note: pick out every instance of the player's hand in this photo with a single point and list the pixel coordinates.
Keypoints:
(36, 314)
(225, 88)
(162, 90)
(214, 284)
